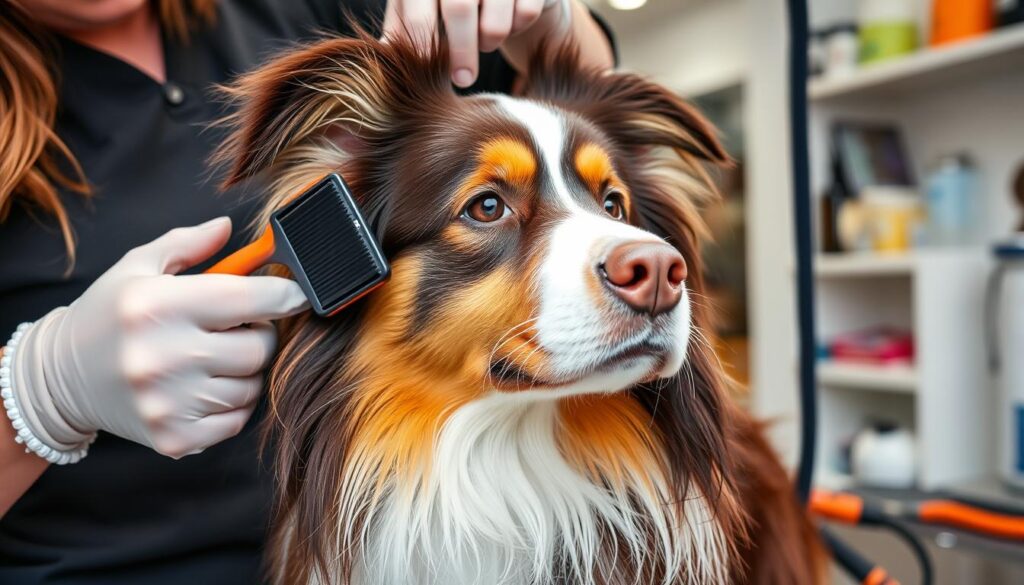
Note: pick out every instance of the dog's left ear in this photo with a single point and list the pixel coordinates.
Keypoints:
(636, 112)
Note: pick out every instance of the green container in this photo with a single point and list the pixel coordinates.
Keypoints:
(884, 40)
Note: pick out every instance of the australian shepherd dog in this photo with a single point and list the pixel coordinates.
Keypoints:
(531, 399)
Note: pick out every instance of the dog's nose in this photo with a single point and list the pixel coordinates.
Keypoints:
(648, 276)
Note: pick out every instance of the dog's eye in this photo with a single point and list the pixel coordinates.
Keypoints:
(614, 205)
(486, 207)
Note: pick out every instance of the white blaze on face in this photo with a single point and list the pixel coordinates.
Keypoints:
(579, 324)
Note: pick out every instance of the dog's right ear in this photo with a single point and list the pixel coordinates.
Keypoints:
(349, 90)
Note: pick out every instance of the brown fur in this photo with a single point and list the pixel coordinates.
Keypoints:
(372, 387)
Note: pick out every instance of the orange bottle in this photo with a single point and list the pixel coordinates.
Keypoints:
(954, 20)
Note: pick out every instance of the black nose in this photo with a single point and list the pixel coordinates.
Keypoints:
(647, 276)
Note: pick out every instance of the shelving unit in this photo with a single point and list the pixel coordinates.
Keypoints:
(861, 264)
(1001, 52)
(901, 378)
(938, 294)
(962, 97)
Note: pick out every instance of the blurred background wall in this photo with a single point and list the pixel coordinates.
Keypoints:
(917, 146)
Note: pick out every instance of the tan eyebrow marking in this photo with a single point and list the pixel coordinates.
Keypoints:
(501, 159)
(506, 159)
(594, 166)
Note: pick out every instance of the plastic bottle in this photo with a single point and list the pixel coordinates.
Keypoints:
(952, 201)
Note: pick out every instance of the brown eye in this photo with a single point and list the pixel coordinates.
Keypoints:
(614, 205)
(486, 208)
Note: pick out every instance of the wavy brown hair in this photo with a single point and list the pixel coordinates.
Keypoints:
(34, 161)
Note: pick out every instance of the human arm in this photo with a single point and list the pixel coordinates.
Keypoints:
(166, 360)
(20, 469)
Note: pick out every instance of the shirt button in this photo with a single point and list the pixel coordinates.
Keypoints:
(173, 93)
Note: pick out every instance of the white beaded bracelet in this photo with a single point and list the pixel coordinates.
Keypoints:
(25, 435)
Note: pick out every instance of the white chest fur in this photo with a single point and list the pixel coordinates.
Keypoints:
(500, 505)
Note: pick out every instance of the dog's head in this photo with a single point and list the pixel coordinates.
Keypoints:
(542, 247)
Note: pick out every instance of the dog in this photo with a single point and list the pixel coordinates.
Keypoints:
(531, 399)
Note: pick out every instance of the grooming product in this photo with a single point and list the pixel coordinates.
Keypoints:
(830, 206)
(956, 20)
(1004, 334)
(325, 242)
(895, 215)
(841, 47)
(816, 51)
(888, 28)
(832, 201)
(881, 345)
(884, 456)
(853, 226)
(952, 201)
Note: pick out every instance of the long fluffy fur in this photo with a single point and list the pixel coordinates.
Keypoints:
(394, 464)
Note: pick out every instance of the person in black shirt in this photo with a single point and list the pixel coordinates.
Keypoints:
(150, 369)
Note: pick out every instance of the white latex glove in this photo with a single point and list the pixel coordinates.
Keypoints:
(158, 359)
(475, 26)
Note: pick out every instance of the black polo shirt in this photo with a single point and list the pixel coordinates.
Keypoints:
(126, 514)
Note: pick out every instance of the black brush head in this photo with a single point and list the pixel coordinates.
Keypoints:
(325, 241)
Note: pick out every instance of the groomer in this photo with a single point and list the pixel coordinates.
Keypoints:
(127, 450)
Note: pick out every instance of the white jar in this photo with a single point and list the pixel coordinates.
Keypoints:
(841, 50)
(884, 456)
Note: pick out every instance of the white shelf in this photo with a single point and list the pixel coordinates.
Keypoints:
(899, 378)
(833, 480)
(999, 52)
(863, 264)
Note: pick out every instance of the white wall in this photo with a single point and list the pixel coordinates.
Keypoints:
(772, 294)
(692, 50)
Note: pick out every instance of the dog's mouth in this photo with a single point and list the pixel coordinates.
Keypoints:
(508, 375)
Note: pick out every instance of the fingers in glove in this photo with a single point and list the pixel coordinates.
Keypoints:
(180, 248)
(223, 394)
(195, 437)
(222, 301)
(239, 352)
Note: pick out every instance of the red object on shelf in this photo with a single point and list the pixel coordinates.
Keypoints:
(879, 345)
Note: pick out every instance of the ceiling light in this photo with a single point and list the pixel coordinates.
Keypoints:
(626, 4)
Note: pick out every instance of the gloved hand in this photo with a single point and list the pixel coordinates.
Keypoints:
(162, 360)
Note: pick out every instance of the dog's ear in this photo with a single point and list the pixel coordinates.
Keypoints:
(636, 112)
(349, 91)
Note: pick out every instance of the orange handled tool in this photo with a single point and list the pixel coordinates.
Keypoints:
(321, 236)
(852, 509)
(248, 259)
(971, 518)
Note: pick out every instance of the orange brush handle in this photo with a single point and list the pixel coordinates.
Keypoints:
(837, 506)
(971, 518)
(247, 259)
(878, 576)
